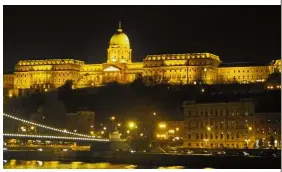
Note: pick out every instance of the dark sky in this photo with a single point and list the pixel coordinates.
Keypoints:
(235, 33)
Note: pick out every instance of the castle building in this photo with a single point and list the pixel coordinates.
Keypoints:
(188, 68)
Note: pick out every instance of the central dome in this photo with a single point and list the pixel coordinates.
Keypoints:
(120, 38)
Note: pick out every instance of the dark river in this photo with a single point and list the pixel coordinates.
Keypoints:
(34, 164)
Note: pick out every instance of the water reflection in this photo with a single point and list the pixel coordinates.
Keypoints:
(172, 167)
(35, 164)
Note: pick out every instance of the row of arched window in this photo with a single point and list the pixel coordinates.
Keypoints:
(228, 136)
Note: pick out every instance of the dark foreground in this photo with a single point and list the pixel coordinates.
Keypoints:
(151, 159)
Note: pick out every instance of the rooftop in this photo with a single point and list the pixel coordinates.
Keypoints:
(242, 64)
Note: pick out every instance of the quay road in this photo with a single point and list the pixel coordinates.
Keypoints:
(151, 159)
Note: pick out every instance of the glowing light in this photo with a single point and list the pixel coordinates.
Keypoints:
(141, 134)
(162, 125)
(119, 124)
(91, 126)
(105, 128)
(127, 131)
(102, 132)
(202, 90)
(92, 132)
(131, 124)
(154, 113)
(250, 128)
(209, 128)
(177, 129)
(32, 127)
(45, 89)
(171, 131)
(10, 95)
(113, 118)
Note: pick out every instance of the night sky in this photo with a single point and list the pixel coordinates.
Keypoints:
(235, 33)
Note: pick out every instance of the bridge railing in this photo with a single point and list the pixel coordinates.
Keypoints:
(47, 127)
(53, 137)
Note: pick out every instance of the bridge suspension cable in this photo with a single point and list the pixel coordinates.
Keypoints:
(53, 137)
(47, 127)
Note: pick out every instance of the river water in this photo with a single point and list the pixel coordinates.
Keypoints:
(34, 164)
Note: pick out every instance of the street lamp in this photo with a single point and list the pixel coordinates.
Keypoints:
(131, 125)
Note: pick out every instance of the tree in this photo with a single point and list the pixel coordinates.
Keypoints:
(271, 141)
(65, 90)
(260, 143)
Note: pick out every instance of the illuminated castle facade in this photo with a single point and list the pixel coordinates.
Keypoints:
(188, 68)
